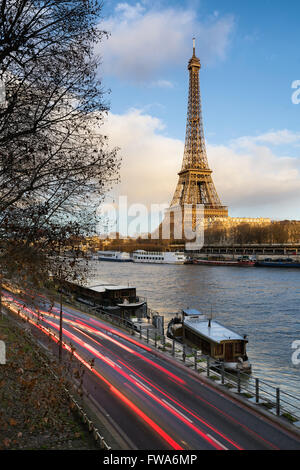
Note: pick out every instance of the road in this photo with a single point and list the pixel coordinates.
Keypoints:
(151, 401)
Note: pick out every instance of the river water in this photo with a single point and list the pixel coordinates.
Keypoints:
(263, 303)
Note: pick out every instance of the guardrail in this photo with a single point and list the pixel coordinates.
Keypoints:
(258, 391)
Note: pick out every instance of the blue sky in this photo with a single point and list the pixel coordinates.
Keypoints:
(250, 57)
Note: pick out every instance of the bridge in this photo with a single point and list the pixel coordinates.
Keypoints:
(291, 250)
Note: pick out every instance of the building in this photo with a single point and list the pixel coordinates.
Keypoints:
(195, 184)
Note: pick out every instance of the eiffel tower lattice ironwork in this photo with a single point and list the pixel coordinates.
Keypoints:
(195, 184)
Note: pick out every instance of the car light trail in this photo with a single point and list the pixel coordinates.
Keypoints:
(126, 348)
(229, 417)
(136, 382)
(146, 390)
(108, 338)
(182, 407)
(173, 411)
(108, 361)
(168, 439)
(75, 324)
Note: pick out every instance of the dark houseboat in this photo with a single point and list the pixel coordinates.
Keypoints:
(213, 339)
(121, 301)
(243, 261)
(278, 263)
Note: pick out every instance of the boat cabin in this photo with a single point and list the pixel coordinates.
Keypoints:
(116, 300)
(214, 339)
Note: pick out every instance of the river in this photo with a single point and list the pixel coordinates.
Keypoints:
(263, 303)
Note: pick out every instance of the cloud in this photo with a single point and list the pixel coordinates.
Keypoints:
(150, 159)
(254, 177)
(272, 137)
(162, 84)
(250, 178)
(145, 42)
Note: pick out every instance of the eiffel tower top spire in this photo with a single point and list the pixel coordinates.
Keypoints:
(194, 60)
(195, 151)
(195, 185)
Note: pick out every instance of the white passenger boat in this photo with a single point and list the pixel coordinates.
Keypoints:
(156, 257)
(120, 256)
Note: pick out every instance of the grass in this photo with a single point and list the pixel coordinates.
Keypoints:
(289, 417)
(268, 405)
(214, 377)
(246, 395)
(229, 385)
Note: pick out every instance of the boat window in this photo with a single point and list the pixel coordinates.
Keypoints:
(238, 347)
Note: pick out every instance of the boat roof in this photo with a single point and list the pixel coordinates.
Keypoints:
(191, 311)
(104, 287)
(215, 332)
(131, 305)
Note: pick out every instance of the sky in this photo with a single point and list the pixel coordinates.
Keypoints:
(250, 57)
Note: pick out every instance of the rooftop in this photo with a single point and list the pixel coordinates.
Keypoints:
(191, 311)
(215, 332)
(104, 287)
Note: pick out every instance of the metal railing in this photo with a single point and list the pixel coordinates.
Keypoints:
(260, 392)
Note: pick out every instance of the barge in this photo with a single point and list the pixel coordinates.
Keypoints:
(243, 261)
(215, 340)
(278, 263)
(120, 301)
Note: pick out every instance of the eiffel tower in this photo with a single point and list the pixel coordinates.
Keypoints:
(195, 184)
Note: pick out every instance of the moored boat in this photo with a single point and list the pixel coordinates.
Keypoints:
(278, 263)
(223, 345)
(242, 261)
(119, 256)
(156, 257)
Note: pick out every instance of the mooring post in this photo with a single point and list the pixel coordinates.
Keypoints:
(278, 401)
(147, 335)
(173, 347)
(155, 339)
(195, 359)
(183, 353)
(257, 390)
(140, 331)
(239, 381)
(223, 373)
(208, 366)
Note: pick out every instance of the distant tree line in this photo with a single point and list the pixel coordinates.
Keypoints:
(273, 233)
(285, 231)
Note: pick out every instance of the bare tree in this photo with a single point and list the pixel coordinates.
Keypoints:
(54, 163)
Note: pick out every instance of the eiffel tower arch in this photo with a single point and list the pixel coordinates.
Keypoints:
(195, 184)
